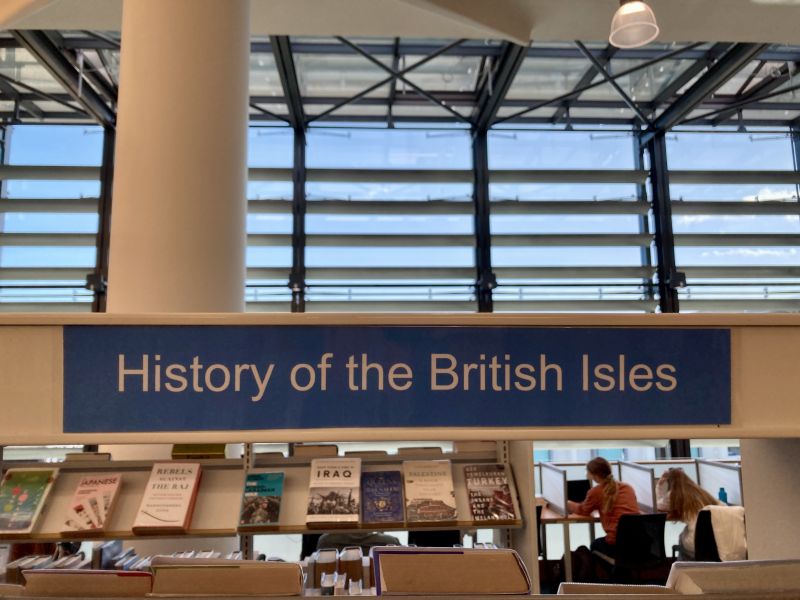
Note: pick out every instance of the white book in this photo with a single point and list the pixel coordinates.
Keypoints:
(334, 491)
(169, 498)
(429, 492)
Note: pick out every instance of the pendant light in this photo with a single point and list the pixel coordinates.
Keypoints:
(634, 24)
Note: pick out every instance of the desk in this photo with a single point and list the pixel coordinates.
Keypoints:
(552, 517)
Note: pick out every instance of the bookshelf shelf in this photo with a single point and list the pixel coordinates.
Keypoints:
(216, 512)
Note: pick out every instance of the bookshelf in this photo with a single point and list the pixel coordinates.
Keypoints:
(218, 502)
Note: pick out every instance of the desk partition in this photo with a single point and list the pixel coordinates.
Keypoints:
(713, 475)
(641, 479)
(554, 487)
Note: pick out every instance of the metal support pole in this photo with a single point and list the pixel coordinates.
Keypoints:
(668, 277)
(795, 133)
(96, 281)
(680, 449)
(297, 278)
(485, 279)
(644, 220)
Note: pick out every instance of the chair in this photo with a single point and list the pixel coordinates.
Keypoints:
(734, 545)
(705, 544)
(640, 555)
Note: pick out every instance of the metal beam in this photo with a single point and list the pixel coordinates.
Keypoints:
(646, 252)
(297, 276)
(43, 95)
(97, 281)
(588, 76)
(53, 60)
(393, 84)
(405, 80)
(610, 80)
(717, 75)
(358, 97)
(766, 86)
(6, 89)
(496, 86)
(668, 276)
(689, 73)
(485, 280)
(577, 92)
(284, 62)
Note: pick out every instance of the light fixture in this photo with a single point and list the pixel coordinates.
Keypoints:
(634, 24)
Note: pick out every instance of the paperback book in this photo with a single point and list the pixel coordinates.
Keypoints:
(489, 493)
(23, 493)
(261, 500)
(92, 503)
(169, 498)
(334, 491)
(429, 491)
(382, 497)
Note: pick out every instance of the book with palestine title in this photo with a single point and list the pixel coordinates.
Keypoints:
(261, 500)
(430, 497)
(334, 491)
(23, 493)
(489, 493)
(169, 499)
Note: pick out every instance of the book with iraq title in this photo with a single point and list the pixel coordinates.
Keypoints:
(169, 498)
(23, 493)
(334, 491)
(429, 491)
(92, 503)
(382, 497)
(489, 493)
(261, 500)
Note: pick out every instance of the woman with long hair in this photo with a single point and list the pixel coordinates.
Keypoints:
(610, 498)
(682, 499)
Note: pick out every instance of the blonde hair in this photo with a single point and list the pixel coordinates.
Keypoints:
(686, 498)
(600, 468)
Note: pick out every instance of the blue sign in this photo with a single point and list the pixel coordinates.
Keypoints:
(207, 378)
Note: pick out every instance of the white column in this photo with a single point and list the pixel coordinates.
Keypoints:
(771, 492)
(178, 231)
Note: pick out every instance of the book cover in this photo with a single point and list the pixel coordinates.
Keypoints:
(23, 493)
(489, 493)
(92, 503)
(261, 499)
(334, 491)
(382, 497)
(429, 491)
(169, 498)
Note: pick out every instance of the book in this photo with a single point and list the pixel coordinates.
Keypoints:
(23, 493)
(429, 491)
(169, 498)
(92, 503)
(334, 491)
(489, 493)
(261, 499)
(382, 497)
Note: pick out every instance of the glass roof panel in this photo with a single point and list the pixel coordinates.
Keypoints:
(444, 73)
(735, 83)
(642, 85)
(264, 78)
(339, 76)
(547, 78)
(20, 65)
(546, 111)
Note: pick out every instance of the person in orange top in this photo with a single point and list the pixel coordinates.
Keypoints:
(610, 498)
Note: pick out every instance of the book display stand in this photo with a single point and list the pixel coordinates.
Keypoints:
(216, 512)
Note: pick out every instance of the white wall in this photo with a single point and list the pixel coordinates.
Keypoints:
(771, 490)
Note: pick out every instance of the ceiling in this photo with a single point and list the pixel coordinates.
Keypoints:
(772, 21)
